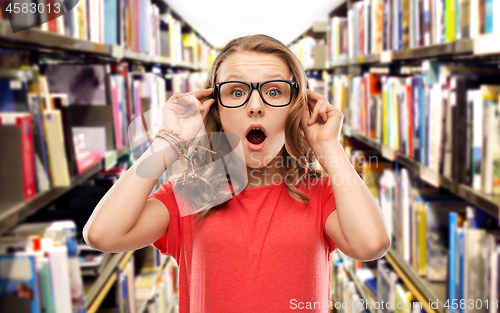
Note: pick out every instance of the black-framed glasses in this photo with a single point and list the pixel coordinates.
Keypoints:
(275, 93)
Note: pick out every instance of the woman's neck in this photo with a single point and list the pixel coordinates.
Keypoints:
(270, 174)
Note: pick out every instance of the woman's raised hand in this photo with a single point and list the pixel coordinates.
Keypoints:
(184, 113)
(323, 125)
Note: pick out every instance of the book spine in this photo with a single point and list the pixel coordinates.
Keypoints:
(416, 120)
(422, 122)
(409, 102)
(421, 241)
(458, 19)
(444, 115)
(488, 17)
(496, 12)
(461, 266)
(450, 20)
(427, 23)
(452, 251)
(495, 139)
(110, 22)
(116, 112)
(377, 26)
(25, 125)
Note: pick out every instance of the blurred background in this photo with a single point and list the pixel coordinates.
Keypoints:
(418, 82)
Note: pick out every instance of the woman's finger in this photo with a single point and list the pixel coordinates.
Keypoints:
(202, 93)
(315, 112)
(327, 107)
(315, 96)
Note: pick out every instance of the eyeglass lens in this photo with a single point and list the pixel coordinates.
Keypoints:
(274, 93)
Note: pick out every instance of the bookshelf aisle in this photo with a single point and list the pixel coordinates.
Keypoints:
(417, 82)
(68, 91)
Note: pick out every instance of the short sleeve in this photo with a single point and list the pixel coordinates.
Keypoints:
(328, 206)
(169, 243)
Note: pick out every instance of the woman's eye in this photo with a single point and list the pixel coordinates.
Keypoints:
(273, 93)
(237, 93)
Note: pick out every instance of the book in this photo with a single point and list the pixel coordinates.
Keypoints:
(437, 214)
(19, 290)
(84, 84)
(58, 163)
(20, 123)
(40, 148)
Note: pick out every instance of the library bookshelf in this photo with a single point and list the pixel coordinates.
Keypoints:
(48, 41)
(406, 56)
(43, 47)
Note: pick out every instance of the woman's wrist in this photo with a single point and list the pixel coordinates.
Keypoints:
(156, 159)
(331, 156)
(329, 149)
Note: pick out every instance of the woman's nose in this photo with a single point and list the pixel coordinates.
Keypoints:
(255, 103)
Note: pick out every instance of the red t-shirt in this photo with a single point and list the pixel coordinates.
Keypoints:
(264, 252)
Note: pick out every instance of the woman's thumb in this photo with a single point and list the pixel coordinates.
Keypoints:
(206, 107)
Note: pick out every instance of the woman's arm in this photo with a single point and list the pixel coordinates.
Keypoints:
(357, 226)
(124, 220)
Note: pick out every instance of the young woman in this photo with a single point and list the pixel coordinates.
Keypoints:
(268, 248)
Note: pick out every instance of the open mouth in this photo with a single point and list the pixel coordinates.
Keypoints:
(256, 136)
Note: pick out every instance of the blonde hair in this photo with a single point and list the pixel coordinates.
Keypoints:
(296, 146)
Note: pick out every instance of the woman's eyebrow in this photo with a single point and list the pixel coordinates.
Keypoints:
(267, 77)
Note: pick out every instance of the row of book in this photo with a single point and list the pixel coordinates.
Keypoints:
(446, 118)
(56, 125)
(118, 22)
(441, 236)
(42, 265)
(303, 49)
(40, 269)
(184, 46)
(343, 287)
(158, 285)
(382, 289)
(374, 26)
(444, 239)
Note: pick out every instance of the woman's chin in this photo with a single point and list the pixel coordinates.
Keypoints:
(255, 166)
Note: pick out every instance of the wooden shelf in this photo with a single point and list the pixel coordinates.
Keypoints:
(456, 48)
(96, 290)
(364, 292)
(489, 203)
(420, 287)
(142, 304)
(12, 214)
(48, 41)
(92, 289)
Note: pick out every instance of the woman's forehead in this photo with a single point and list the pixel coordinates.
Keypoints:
(253, 67)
